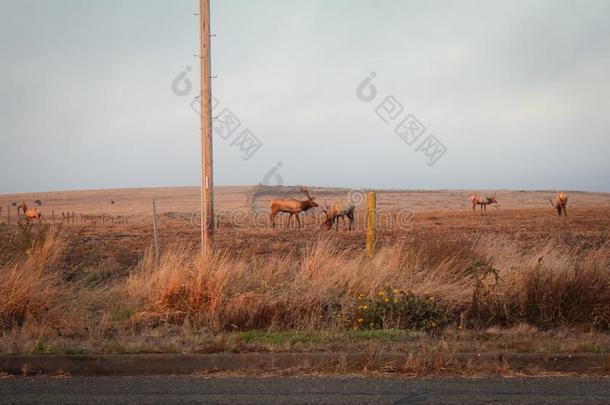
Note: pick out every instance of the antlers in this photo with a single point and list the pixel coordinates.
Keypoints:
(326, 210)
(303, 189)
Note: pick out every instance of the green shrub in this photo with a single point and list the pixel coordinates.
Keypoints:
(399, 310)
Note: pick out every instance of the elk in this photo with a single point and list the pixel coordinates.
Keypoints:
(561, 203)
(336, 211)
(291, 206)
(482, 201)
(29, 213)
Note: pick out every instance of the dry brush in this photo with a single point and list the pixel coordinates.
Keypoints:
(491, 282)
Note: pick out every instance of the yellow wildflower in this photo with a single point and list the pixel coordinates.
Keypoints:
(387, 300)
(360, 320)
(365, 306)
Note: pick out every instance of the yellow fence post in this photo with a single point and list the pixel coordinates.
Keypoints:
(371, 223)
(155, 234)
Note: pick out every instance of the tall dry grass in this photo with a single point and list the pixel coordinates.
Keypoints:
(31, 286)
(547, 286)
(313, 291)
(492, 283)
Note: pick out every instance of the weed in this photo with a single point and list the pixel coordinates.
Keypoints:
(394, 309)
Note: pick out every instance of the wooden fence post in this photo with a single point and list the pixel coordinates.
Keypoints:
(8, 214)
(156, 236)
(371, 223)
(53, 216)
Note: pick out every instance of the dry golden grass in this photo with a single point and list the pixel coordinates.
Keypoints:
(30, 287)
(549, 286)
(493, 284)
(313, 291)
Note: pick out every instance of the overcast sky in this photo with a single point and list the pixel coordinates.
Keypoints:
(517, 92)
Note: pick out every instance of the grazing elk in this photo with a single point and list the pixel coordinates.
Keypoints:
(338, 210)
(482, 201)
(292, 207)
(29, 213)
(561, 203)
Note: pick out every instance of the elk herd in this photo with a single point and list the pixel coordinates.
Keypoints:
(345, 211)
(560, 204)
(338, 210)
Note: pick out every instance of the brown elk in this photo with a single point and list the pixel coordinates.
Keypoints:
(338, 210)
(291, 206)
(29, 213)
(561, 203)
(482, 201)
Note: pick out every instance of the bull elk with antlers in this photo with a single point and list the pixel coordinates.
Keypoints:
(482, 201)
(561, 203)
(29, 213)
(339, 210)
(292, 206)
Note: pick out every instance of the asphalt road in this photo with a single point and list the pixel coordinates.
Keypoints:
(303, 390)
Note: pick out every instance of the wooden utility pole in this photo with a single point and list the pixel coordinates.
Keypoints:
(371, 223)
(207, 183)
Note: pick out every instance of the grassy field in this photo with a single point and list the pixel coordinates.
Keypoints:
(520, 278)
